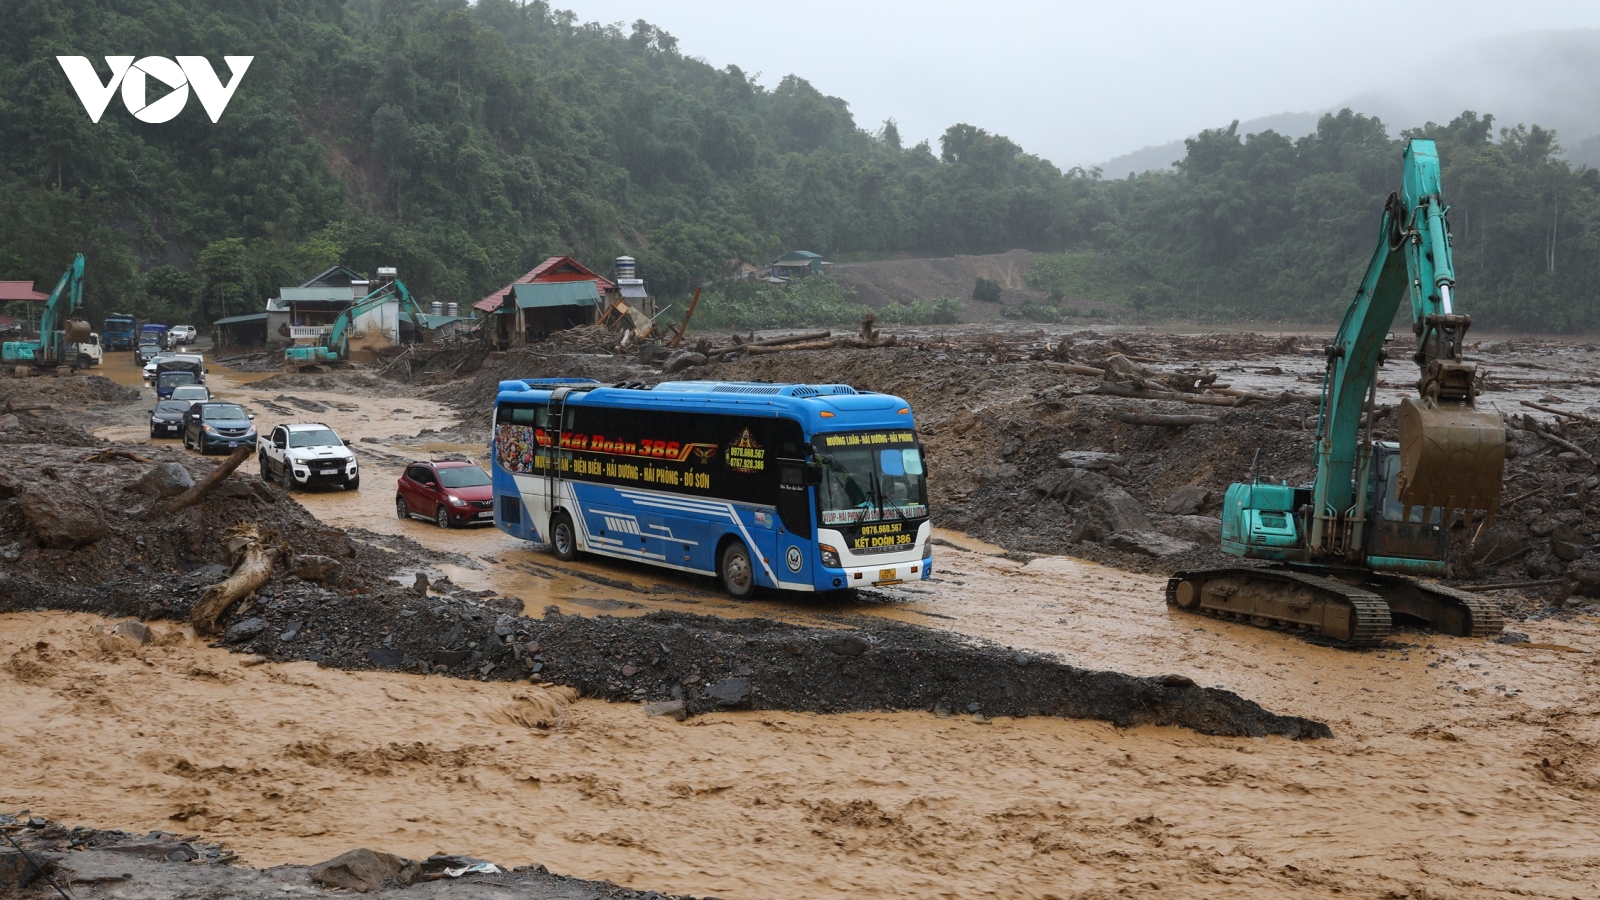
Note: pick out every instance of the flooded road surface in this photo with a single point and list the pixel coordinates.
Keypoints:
(288, 762)
(1458, 768)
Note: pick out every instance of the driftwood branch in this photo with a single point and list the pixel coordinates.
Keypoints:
(1075, 369)
(1134, 418)
(1530, 425)
(256, 560)
(1559, 412)
(110, 455)
(205, 486)
(1122, 390)
(758, 349)
(792, 339)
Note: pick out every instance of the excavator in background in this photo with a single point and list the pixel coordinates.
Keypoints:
(1341, 549)
(59, 333)
(334, 346)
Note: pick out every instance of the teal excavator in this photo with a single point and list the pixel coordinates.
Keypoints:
(1344, 551)
(59, 333)
(334, 346)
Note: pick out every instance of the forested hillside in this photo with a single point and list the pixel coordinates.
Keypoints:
(463, 143)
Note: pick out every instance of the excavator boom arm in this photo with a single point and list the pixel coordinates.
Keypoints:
(1452, 456)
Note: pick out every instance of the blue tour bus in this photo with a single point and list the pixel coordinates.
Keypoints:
(792, 486)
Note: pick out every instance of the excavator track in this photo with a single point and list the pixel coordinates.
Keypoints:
(1278, 598)
(1439, 608)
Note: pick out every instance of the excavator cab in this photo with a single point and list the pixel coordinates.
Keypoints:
(1399, 537)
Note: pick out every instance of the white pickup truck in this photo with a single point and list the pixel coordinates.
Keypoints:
(306, 454)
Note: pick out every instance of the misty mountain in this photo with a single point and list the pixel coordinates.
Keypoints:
(1545, 78)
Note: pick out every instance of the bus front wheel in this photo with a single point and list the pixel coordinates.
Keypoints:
(737, 572)
(563, 539)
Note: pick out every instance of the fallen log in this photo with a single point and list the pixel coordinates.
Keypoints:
(205, 486)
(1075, 369)
(864, 344)
(1530, 425)
(1134, 418)
(1559, 412)
(254, 569)
(791, 339)
(757, 349)
(1511, 585)
(1121, 390)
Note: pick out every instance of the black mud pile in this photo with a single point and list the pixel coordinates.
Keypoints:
(94, 864)
(73, 536)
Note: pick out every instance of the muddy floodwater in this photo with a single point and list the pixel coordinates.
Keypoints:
(1458, 768)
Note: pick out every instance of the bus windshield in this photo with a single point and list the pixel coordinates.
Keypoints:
(872, 478)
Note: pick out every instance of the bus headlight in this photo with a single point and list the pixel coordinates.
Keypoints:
(927, 550)
(830, 557)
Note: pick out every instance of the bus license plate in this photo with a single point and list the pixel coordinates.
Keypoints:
(887, 576)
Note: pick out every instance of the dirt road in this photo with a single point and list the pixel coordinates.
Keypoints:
(1458, 768)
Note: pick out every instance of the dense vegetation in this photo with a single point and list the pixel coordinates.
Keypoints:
(463, 143)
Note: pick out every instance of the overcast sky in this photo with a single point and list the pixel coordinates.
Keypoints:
(1078, 83)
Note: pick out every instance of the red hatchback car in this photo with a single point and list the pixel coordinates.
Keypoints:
(452, 493)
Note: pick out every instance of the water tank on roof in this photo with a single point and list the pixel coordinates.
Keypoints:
(436, 307)
(452, 309)
(626, 267)
(386, 274)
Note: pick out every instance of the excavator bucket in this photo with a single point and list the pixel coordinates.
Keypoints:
(77, 331)
(1451, 457)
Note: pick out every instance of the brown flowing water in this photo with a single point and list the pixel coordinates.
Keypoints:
(1458, 768)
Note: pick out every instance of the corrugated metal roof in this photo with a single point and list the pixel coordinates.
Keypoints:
(561, 293)
(804, 256)
(20, 290)
(315, 294)
(432, 321)
(544, 272)
(240, 320)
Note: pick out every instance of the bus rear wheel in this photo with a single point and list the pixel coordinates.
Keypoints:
(736, 571)
(563, 538)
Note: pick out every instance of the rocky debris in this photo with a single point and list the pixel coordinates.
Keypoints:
(683, 359)
(364, 870)
(1201, 530)
(94, 863)
(61, 517)
(729, 692)
(1186, 501)
(315, 567)
(138, 632)
(1072, 486)
(674, 708)
(1089, 459)
(164, 480)
(1149, 543)
(1112, 511)
(17, 870)
(245, 630)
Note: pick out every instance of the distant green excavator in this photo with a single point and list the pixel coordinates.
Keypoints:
(59, 332)
(335, 345)
(1378, 511)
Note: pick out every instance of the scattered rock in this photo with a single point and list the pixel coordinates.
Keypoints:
(450, 658)
(1186, 501)
(629, 671)
(683, 359)
(674, 708)
(1567, 544)
(386, 658)
(1174, 680)
(324, 569)
(239, 632)
(136, 631)
(1200, 529)
(235, 490)
(846, 644)
(1511, 637)
(61, 519)
(165, 480)
(18, 871)
(733, 691)
(1110, 512)
(1072, 486)
(365, 870)
(1089, 459)
(1149, 543)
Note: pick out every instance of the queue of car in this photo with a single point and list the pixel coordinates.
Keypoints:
(451, 493)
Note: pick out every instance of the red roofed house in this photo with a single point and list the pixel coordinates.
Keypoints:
(20, 290)
(559, 293)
